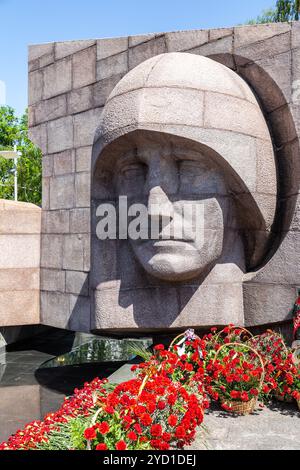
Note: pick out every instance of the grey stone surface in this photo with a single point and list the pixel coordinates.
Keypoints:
(77, 283)
(60, 134)
(275, 427)
(57, 78)
(227, 121)
(62, 195)
(20, 231)
(84, 67)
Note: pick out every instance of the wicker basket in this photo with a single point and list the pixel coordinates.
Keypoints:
(243, 407)
(275, 334)
(284, 399)
(241, 328)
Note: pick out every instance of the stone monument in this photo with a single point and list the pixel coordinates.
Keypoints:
(207, 118)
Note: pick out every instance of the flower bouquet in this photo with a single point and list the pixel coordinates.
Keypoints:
(237, 377)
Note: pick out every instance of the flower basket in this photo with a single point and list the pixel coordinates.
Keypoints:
(241, 407)
(238, 406)
(233, 328)
(284, 399)
(252, 340)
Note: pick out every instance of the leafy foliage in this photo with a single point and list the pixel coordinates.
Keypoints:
(284, 10)
(15, 131)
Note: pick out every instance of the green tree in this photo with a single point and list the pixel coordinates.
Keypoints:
(284, 10)
(15, 131)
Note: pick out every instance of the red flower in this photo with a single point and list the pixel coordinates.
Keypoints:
(132, 436)
(121, 445)
(103, 427)
(138, 428)
(101, 446)
(156, 430)
(180, 432)
(90, 433)
(146, 419)
(172, 420)
(254, 392)
(161, 405)
(159, 347)
(166, 436)
(244, 396)
(235, 394)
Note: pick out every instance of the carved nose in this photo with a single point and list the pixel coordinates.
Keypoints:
(159, 204)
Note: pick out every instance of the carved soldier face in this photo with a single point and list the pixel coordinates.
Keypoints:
(181, 235)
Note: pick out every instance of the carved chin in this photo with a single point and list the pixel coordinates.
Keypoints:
(174, 267)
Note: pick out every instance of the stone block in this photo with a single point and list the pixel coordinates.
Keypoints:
(289, 168)
(140, 38)
(46, 60)
(19, 279)
(215, 48)
(38, 135)
(46, 193)
(73, 252)
(19, 307)
(36, 51)
(50, 109)
(53, 280)
(19, 218)
(47, 166)
(80, 314)
(57, 78)
(84, 67)
(60, 134)
(80, 221)
(20, 251)
(268, 303)
(219, 33)
(51, 304)
(245, 35)
(284, 267)
(82, 189)
(62, 192)
(80, 100)
(146, 50)
(66, 48)
(102, 90)
(250, 120)
(85, 125)
(114, 65)
(185, 40)
(295, 35)
(64, 162)
(111, 46)
(77, 283)
(35, 87)
(56, 221)
(255, 42)
(83, 159)
(52, 251)
(265, 168)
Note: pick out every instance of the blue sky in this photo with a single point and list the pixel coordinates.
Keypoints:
(38, 21)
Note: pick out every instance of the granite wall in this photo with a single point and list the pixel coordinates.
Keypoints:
(69, 83)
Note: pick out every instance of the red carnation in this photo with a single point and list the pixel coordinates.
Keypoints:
(103, 427)
(180, 432)
(138, 428)
(101, 446)
(121, 445)
(90, 433)
(244, 396)
(156, 430)
(234, 394)
(159, 347)
(161, 405)
(132, 436)
(172, 420)
(146, 419)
